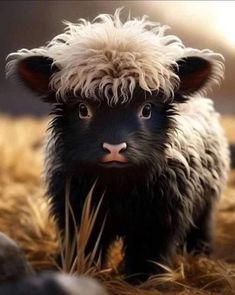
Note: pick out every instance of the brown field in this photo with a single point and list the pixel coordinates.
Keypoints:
(24, 215)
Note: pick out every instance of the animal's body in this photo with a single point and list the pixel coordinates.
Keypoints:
(128, 114)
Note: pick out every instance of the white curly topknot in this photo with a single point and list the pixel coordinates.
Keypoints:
(109, 57)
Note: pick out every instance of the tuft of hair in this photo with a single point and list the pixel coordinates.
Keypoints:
(108, 58)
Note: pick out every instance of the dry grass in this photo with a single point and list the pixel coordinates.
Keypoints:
(74, 259)
(24, 215)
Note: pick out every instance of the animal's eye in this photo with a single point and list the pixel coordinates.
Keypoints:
(146, 111)
(84, 111)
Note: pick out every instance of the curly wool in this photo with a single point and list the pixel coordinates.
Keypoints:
(199, 146)
(111, 58)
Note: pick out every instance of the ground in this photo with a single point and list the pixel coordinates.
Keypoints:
(24, 216)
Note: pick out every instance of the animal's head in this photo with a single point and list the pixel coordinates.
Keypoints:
(114, 87)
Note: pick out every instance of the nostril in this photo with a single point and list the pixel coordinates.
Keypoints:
(106, 147)
(123, 147)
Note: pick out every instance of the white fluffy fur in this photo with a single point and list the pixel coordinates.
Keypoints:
(111, 58)
(199, 144)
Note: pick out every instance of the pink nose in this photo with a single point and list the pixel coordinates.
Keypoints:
(114, 148)
(114, 152)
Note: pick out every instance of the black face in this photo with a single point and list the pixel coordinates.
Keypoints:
(93, 136)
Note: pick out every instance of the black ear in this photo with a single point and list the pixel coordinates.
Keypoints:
(194, 72)
(35, 72)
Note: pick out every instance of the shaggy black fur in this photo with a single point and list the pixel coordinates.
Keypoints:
(139, 204)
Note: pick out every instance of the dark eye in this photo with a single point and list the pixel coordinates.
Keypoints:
(145, 112)
(84, 111)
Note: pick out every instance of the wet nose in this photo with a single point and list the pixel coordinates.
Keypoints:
(115, 148)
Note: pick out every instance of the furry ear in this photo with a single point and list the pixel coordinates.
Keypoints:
(35, 72)
(194, 72)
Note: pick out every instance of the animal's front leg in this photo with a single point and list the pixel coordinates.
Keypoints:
(102, 236)
(143, 252)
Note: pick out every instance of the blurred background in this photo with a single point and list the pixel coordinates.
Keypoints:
(200, 24)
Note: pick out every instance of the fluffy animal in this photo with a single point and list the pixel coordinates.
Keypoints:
(129, 113)
(17, 277)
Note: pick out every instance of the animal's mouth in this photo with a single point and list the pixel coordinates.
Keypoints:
(113, 160)
(114, 164)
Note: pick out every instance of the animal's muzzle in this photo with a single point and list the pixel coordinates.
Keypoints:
(114, 152)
